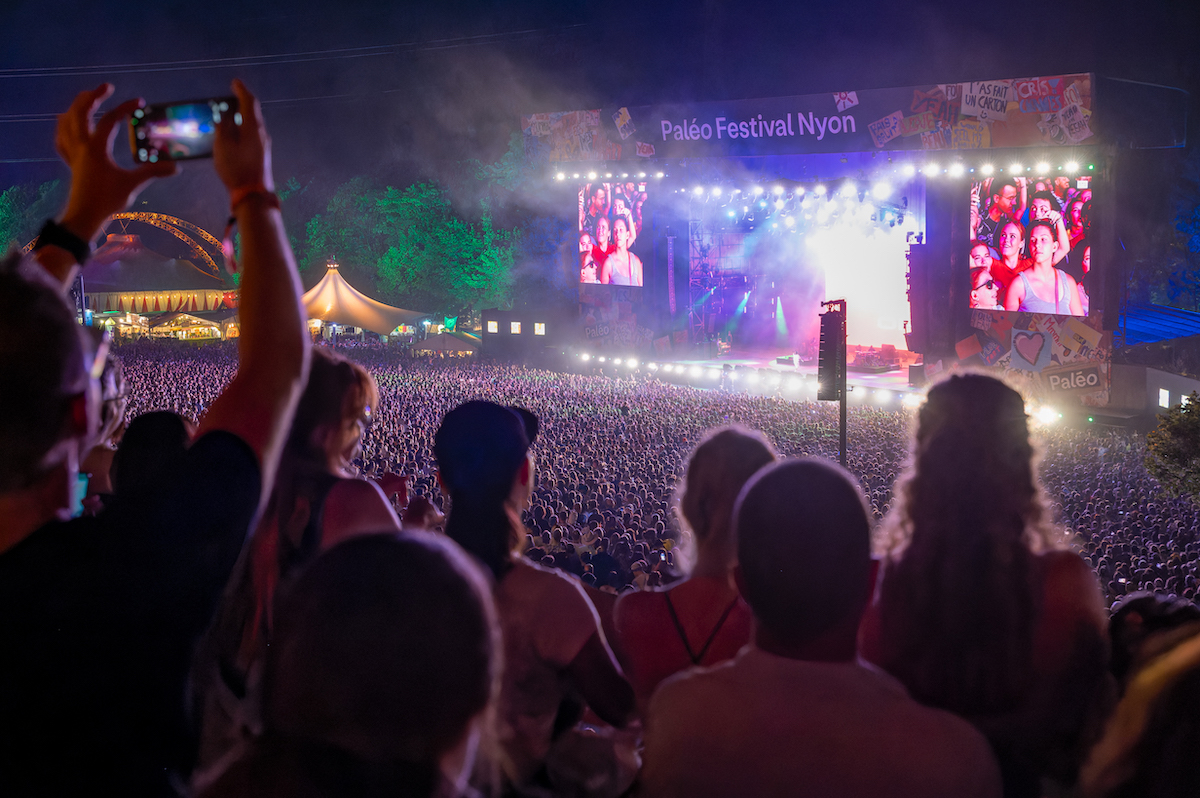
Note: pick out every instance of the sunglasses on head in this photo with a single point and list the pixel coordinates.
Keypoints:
(988, 284)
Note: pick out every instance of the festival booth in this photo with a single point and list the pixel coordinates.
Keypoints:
(446, 344)
(335, 302)
(716, 229)
(212, 325)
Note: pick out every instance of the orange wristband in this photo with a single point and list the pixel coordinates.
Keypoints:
(240, 195)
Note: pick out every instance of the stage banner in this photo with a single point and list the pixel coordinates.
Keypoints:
(1021, 112)
(1045, 356)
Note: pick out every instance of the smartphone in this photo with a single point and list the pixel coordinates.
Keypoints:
(178, 131)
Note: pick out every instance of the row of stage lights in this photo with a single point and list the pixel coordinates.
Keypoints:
(791, 383)
(1043, 415)
(931, 169)
(860, 201)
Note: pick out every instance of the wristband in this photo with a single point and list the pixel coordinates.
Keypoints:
(53, 234)
(236, 198)
(240, 195)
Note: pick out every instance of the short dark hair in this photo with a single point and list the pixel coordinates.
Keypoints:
(1000, 182)
(804, 547)
(1046, 195)
(41, 358)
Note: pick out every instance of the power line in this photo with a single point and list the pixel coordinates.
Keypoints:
(285, 58)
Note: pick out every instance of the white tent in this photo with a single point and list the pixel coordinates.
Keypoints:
(335, 300)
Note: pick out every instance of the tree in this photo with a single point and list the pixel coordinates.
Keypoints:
(438, 261)
(24, 207)
(1174, 457)
(349, 231)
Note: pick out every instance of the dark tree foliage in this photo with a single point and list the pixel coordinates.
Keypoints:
(1174, 457)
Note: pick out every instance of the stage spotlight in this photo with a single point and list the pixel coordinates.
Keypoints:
(731, 214)
(745, 209)
(778, 189)
(774, 225)
(652, 366)
(658, 174)
(608, 174)
(716, 191)
(1043, 168)
(909, 170)
(758, 190)
(575, 176)
(641, 174)
(881, 191)
(956, 170)
(698, 190)
(631, 363)
(1073, 166)
(912, 400)
(1047, 415)
(624, 174)
(1015, 167)
(601, 358)
(848, 188)
(930, 170)
(799, 191)
(585, 357)
(987, 168)
(789, 221)
(616, 361)
(667, 368)
(591, 175)
(696, 371)
(779, 205)
(560, 176)
(820, 189)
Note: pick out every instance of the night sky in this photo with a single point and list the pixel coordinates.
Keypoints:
(447, 81)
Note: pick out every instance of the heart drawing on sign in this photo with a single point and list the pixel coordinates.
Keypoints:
(1029, 345)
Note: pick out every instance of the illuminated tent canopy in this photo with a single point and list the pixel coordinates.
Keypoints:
(335, 300)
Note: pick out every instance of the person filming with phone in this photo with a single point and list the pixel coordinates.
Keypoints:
(101, 614)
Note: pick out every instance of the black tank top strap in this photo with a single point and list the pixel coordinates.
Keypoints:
(696, 658)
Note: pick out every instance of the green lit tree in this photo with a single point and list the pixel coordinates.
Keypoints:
(1174, 445)
(437, 260)
(24, 207)
(350, 231)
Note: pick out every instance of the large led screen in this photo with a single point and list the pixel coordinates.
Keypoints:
(611, 248)
(1031, 244)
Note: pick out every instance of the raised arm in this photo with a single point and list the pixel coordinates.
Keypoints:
(1062, 240)
(258, 404)
(99, 188)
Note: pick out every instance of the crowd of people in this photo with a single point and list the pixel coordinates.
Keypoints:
(305, 573)
(1030, 244)
(610, 220)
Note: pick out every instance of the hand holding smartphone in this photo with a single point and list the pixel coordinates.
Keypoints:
(178, 131)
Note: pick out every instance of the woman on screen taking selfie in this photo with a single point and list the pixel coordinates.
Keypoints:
(1042, 288)
(622, 267)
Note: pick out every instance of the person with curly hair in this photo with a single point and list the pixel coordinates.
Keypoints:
(983, 610)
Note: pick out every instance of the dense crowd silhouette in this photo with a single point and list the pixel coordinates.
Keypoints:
(313, 572)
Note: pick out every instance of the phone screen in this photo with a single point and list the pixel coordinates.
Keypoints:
(178, 131)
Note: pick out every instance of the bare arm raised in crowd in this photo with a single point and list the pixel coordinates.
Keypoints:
(258, 404)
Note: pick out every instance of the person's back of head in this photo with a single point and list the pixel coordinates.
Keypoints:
(150, 451)
(338, 395)
(481, 448)
(385, 658)
(804, 549)
(716, 471)
(47, 400)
